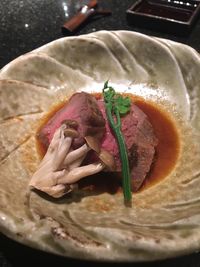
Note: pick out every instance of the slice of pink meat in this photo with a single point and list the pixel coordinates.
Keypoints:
(82, 108)
(140, 142)
(91, 117)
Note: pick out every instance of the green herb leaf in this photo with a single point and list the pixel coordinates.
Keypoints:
(123, 104)
(117, 105)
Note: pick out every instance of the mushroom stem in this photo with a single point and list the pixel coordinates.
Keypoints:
(76, 154)
(81, 172)
(60, 168)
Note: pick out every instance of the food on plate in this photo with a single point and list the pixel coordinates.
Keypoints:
(80, 142)
(138, 134)
(91, 221)
(60, 168)
(82, 109)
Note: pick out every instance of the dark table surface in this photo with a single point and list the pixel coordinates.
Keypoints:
(28, 24)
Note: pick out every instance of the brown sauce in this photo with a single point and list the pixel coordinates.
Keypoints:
(40, 147)
(167, 150)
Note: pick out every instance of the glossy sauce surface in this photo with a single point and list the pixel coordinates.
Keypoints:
(167, 150)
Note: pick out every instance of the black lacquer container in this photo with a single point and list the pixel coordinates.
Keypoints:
(173, 16)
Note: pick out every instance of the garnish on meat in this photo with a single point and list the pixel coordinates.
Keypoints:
(60, 168)
(116, 106)
(80, 142)
(140, 142)
(84, 110)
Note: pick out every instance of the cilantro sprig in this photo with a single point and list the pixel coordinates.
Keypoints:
(116, 105)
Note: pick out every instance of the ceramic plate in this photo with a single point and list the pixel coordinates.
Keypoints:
(164, 220)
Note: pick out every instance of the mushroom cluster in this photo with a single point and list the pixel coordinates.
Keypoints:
(61, 168)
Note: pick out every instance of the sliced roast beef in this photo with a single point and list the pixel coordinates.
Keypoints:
(91, 118)
(140, 142)
(81, 108)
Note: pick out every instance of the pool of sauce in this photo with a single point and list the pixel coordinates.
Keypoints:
(167, 150)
